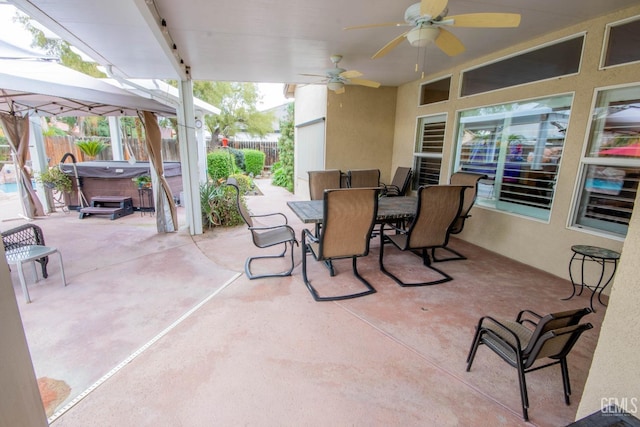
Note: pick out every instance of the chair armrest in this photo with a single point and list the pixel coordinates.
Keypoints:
(522, 317)
(398, 230)
(271, 215)
(306, 233)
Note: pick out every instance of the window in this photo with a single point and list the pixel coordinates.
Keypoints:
(610, 168)
(435, 91)
(622, 43)
(428, 152)
(556, 60)
(519, 147)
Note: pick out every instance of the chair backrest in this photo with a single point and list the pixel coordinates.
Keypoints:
(402, 179)
(358, 178)
(246, 216)
(471, 181)
(554, 321)
(323, 180)
(438, 207)
(555, 344)
(348, 219)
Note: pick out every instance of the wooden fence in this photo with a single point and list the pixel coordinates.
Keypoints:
(57, 146)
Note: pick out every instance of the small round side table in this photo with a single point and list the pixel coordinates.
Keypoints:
(602, 256)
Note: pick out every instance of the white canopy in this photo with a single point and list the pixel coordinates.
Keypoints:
(51, 89)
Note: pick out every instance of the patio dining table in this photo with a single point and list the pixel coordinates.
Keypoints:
(390, 209)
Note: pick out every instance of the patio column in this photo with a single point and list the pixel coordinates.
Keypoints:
(116, 138)
(189, 158)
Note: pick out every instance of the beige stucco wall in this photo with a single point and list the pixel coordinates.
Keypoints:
(541, 244)
(20, 403)
(360, 128)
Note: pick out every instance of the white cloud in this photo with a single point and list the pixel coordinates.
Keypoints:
(273, 95)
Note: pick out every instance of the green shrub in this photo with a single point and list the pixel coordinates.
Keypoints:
(282, 171)
(220, 164)
(92, 148)
(54, 178)
(218, 203)
(239, 156)
(254, 161)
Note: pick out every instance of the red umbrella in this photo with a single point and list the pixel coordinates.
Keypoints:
(632, 150)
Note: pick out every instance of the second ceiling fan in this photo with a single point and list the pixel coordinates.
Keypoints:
(427, 20)
(336, 78)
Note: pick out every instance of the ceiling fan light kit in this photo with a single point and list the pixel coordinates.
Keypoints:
(335, 86)
(422, 36)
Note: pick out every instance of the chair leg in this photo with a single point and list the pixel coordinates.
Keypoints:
(565, 380)
(314, 293)
(458, 256)
(425, 261)
(250, 275)
(474, 347)
(523, 392)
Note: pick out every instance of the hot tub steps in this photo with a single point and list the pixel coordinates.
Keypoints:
(114, 206)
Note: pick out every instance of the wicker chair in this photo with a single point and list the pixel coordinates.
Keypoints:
(26, 234)
(348, 219)
(470, 193)
(438, 207)
(266, 236)
(532, 337)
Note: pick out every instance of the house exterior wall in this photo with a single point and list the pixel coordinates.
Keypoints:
(360, 128)
(20, 402)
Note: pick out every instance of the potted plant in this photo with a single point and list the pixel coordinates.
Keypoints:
(55, 179)
(92, 148)
(142, 181)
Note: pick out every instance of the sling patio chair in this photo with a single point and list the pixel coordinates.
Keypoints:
(399, 184)
(265, 236)
(470, 193)
(438, 207)
(358, 178)
(348, 218)
(532, 337)
(321, 180)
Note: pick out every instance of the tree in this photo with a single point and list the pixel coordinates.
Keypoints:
(238, 112)
(283, 169)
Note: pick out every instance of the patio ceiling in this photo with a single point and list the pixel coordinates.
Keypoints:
(278, 40)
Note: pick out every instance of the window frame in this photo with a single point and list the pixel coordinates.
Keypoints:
(418, 141)
(587, 160)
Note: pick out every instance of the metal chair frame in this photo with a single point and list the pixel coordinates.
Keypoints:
(266, 236)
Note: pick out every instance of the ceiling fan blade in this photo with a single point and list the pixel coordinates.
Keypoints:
(350, 74)
(389, 46)
(486, 20)
(449, 43)
(364, 82)
(384, 24)
(312, 75)
(339, 91)
(432, 8)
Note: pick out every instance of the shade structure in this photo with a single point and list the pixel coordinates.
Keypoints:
(50, 89)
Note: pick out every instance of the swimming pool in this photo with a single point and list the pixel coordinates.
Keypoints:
(9, 187)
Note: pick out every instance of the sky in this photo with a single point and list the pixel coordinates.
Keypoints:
(15, 34)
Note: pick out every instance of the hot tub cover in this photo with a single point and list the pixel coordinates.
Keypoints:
(118, 169)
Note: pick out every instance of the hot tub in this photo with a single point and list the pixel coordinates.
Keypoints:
(113, 178)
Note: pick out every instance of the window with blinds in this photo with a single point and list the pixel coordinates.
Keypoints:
(428, 150)
(610, 169)
(519, 147)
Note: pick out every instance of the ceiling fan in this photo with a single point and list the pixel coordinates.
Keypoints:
(336, 77)
(427, 20)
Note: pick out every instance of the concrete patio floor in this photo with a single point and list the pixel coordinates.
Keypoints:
(195, 343)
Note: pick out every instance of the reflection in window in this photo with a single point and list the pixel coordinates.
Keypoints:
(519, 147)
(611, 166)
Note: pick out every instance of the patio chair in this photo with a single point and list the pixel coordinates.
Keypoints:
(438, 207)
(532, 337)
(23, 235)
(265, 236)
(322, 180)
(358, 178)
(399, 184)
(348, 219)
(470, 193)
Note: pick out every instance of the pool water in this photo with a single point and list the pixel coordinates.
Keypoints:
(9, 187)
